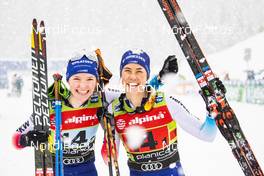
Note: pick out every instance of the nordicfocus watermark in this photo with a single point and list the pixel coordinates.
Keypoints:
(127, 88)
(207, 30)
(62, 29)
(67, 147)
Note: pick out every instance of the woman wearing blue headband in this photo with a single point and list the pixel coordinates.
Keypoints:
(146, 121)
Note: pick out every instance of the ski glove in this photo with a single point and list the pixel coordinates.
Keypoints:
(219, 84)
(33, 137)
(213, 107)
(170, 66)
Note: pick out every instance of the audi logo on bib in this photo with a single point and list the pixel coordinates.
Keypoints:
(151, 166)
(68, 161)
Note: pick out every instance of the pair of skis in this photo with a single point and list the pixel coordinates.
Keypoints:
(226, 120)
(43, 156)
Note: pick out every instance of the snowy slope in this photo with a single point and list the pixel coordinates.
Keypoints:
(232, 59)
(198, 158)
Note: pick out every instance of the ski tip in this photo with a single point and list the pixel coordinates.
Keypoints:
(34, 22)
(34, 25)
(42, 24)
(42, 27)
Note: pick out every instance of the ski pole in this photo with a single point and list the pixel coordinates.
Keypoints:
(107, 124)
(58, 143)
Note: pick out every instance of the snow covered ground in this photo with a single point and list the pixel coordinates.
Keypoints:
(231, 60)
(198, 158)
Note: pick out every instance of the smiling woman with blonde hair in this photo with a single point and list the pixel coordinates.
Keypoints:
(80, 119)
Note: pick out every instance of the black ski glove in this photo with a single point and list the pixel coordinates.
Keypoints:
(35, 137)
(219, 84)
(170, 66)
(212, 106)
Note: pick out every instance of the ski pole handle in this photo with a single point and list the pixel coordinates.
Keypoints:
(57, 77)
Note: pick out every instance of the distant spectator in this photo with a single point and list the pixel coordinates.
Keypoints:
(226, 77)
(17, 84)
